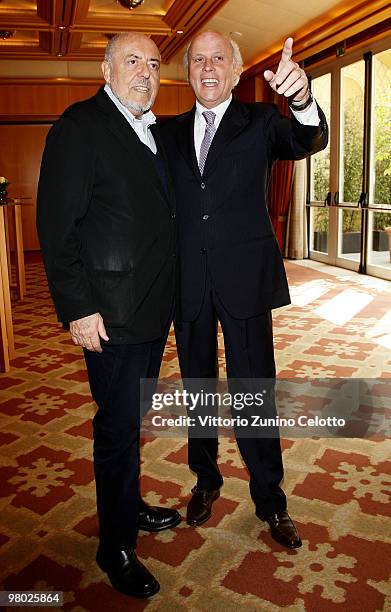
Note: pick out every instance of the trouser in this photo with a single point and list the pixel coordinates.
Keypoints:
(249, 354)
(114, 377)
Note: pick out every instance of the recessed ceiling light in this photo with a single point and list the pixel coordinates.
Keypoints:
(179, 31)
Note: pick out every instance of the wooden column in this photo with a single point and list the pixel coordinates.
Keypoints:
(7, 337)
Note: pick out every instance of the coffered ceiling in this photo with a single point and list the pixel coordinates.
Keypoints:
(79, 29)
(76, 31)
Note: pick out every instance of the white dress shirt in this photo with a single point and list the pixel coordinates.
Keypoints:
(141, 125)
(309, 116)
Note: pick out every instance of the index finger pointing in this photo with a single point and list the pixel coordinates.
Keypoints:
(287, 50)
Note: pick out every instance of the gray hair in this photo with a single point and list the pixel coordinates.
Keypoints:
(236, 55)
(110, 47)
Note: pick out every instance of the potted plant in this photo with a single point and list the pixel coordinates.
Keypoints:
(3, 188)
(388, 232)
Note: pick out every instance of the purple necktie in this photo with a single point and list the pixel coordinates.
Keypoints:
(210, 131)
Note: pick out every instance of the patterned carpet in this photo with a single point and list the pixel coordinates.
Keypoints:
(339, 325)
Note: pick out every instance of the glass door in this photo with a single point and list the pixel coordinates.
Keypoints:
(349, 187)
(320, 189)
(379, 209)
(350, 176)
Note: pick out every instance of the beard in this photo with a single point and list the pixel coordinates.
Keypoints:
(135, 107)
(139, 109)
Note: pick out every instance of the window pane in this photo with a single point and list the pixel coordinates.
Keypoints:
(320, 162)
(352, 131)
(319, 229)
(350, 233)
(381, 139)
(380, 239)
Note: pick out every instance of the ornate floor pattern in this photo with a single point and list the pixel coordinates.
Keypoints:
(338, 489)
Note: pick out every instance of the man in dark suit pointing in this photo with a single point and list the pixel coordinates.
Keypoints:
(230, 266)
(106, 226)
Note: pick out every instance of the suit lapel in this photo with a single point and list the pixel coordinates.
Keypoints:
(156, 134)
(185, 141)
(236, 118)
(119, 126)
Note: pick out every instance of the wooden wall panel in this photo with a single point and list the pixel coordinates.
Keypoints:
(254, 89)
(186, 98)
(38, 100)
(20, 159)
(81, 92)
(245, 91)
(50, 99)
(167, 101)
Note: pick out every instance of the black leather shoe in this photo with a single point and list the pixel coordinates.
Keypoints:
(282, 529)
(199, 508)
(152, 518)
(127, 574)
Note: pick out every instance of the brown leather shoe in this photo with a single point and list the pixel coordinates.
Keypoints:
(283, 530)
(199, 507)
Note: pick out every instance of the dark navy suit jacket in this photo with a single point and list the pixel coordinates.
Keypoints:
(223, 222)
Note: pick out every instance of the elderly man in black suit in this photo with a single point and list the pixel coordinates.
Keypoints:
(106, 225)
(230, 266)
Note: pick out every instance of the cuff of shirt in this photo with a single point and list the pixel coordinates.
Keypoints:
(309, 116)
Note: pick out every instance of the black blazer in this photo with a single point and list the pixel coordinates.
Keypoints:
(223, 222)
(106, 223)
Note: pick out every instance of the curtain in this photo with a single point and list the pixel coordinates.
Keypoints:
(280, 187)
(296, 235)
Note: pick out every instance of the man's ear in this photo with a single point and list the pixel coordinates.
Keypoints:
(106, 71)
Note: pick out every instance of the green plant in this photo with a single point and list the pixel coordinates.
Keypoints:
(4, 182)
(381, 220)
(383, 150)
(353, 167)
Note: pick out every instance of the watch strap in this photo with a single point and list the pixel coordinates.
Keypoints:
(302, 105)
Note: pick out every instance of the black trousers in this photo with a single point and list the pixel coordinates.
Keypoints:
(249, 354)
(114, 377)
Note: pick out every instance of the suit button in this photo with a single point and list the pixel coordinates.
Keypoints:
(203, 185)
(203, 250)
(173, 216)
(205, 217)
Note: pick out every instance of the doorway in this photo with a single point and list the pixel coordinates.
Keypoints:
(349, 183)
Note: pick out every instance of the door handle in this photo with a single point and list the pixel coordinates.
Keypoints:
(363, 200)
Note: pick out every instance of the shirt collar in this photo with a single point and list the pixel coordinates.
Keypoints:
(146, 119)
(219, 110)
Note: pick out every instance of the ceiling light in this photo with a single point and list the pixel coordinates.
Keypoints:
(179, 31)
(130, 4)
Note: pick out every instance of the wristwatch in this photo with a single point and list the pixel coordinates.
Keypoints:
(302, 105)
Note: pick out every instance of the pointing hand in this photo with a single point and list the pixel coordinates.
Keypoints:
(289, 79)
